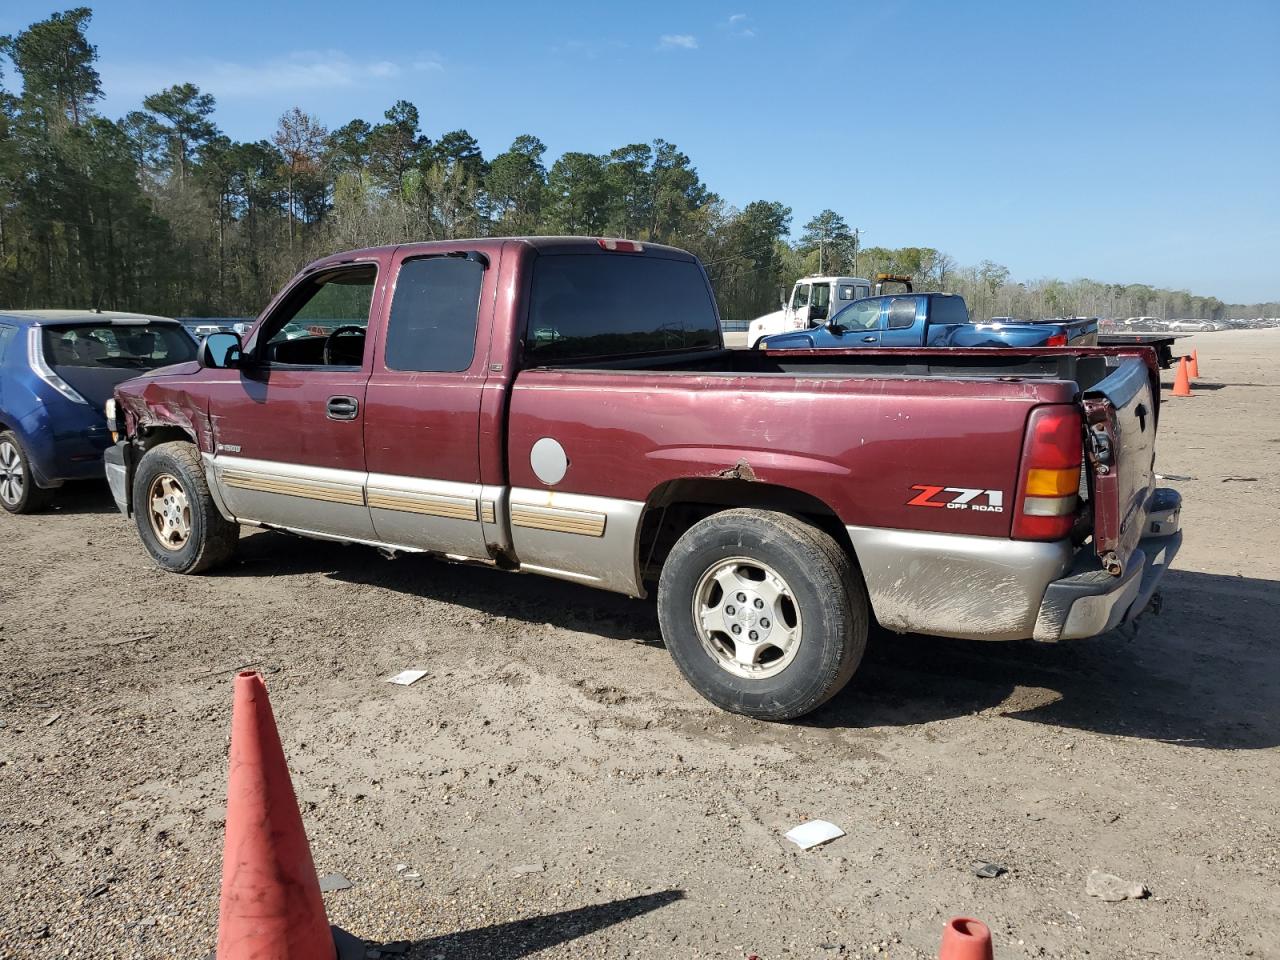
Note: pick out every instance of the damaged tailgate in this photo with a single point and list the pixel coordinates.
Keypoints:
(1120, 425)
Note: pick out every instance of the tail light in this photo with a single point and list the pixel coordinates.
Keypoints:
(1049, 483)
(1057, 340)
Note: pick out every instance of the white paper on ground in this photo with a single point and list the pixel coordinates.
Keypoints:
(813, 833)
(406, 677)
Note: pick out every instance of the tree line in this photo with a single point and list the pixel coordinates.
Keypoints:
(160, 211)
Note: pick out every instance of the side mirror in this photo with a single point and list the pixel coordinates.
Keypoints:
(219, 350)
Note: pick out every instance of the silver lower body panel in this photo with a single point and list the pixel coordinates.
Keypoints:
(976, 588)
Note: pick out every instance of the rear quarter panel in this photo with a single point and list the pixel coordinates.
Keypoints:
(857, 444)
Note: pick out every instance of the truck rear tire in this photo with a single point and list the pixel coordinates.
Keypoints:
(763, 613)
(177, 519)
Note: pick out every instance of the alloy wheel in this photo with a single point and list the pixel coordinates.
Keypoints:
(747, 618)
(169, 511)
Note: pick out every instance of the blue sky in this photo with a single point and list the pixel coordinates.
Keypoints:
(1133, 142)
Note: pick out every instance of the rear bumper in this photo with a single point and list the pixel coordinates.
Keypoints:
(991, 588)
(1091, 601)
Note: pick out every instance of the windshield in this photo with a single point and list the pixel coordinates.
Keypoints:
(132, 346)
(596, 305)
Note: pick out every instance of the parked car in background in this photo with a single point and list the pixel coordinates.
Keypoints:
(565, 407)
(57, 370)
(929, 320)
(1192, 326)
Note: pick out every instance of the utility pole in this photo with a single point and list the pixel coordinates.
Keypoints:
(856, 234)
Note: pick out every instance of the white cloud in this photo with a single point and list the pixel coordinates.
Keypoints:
(739, 27)
(299, 72)
(677, 41)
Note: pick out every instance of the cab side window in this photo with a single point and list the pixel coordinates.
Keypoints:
(801, 297)
(902, 313)
(433, 315)
(323, 322)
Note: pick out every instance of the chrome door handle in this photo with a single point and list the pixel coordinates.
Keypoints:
(870, 339)
(342, 408)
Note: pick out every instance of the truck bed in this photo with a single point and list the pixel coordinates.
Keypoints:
(1084, 367)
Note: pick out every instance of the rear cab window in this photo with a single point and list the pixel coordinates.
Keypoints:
(949, 310)
(133, 346)
(902, 313)
(432, 328)
(598, 306)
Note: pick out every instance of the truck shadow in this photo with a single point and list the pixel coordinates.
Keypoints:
(1202, 674)
(523, 938)
(535, 600)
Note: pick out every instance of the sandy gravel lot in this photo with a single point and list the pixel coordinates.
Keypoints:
(562, 793)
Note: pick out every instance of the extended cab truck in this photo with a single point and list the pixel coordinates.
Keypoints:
(564, 406)
(928, 320)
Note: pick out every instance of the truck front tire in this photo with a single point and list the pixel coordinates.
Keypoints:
(177, 519)
(763, 613)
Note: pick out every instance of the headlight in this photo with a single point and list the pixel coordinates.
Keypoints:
(110, 410)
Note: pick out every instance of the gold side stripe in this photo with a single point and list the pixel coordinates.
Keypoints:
(582, 522)
(432, 505)
(308, 490)
(488, 512)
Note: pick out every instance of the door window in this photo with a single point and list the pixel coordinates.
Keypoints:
(820, 301)
(801, 297)
(323, 321)
(433, 316)
(860, 315)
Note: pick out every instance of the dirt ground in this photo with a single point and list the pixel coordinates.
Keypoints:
(554, 789)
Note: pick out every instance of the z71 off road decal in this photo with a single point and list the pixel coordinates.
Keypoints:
(957, 498)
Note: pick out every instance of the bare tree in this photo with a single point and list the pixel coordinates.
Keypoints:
(301, 140)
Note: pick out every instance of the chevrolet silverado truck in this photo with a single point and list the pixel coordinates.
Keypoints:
(929, 320)
(565, 407)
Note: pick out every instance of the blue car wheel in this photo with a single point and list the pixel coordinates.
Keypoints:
(18, 490)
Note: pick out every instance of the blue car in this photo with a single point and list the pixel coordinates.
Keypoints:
(58, 368)
(929, 320)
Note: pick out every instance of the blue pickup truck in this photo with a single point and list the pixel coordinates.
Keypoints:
(928, 320)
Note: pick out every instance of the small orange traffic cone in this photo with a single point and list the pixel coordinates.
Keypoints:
(964, 938)
(1182, 382)
(271, 905)
(1195, 364)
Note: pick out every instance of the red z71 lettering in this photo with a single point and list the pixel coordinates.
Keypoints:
(925, 497)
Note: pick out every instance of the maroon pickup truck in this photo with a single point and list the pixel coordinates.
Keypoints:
(565, 406)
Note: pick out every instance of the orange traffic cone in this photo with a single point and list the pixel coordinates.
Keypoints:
(1195, 364)
(1182, 382)
(965, 939)
(271, 904)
